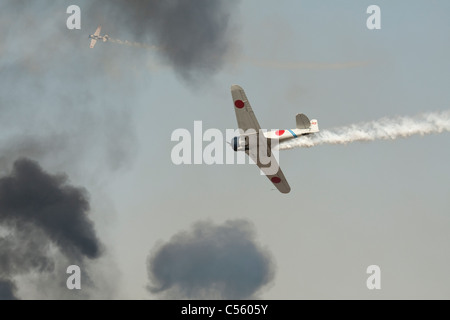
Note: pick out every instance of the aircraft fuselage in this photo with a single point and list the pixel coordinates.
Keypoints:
(242, 143)
(101, 38)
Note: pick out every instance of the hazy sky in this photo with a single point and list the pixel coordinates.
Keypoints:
(105, 118)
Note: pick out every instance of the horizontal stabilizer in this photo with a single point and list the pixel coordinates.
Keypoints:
(302, 121)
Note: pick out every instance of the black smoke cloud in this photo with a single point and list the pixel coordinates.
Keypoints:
(32, 195)
(193, 36)
(41, 210)
(7, 290)
(211, 262)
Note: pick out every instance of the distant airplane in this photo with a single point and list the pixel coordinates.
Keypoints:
(252, 132)
(96, 36)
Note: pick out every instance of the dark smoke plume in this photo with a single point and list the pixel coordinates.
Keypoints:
(211, 262)
(47, 201)
(7, 289)
(41, 211)
(193, 36)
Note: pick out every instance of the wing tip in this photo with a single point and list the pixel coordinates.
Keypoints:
(235, 87)
(285, 188)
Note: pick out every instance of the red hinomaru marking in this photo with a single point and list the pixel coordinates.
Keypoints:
(280, 132)
(239, 104)
(276, 180)
(314, 122)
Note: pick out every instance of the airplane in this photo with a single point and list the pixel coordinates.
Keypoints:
(96, 36)
(256, 142)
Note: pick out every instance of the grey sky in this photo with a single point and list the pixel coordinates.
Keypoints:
(105, 117)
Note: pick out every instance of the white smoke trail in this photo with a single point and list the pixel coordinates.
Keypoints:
(383, 129)
(132, 44)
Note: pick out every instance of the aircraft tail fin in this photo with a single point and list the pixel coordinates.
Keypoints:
(302, 121)
(314, 125)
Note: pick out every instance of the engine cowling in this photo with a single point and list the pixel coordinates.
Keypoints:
(240, 144)
(235, 143)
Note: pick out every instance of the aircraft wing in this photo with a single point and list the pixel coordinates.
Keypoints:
(246, 120)
(93, 42)
(245, 116)
(269, 166)
(97, 32)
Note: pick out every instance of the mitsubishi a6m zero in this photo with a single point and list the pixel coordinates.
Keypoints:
(96, 36)
(258, 144)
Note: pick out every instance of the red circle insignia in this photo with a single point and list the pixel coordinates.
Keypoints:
(275, 180)
(239, 104)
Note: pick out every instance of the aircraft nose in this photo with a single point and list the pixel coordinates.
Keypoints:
(235, 143)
